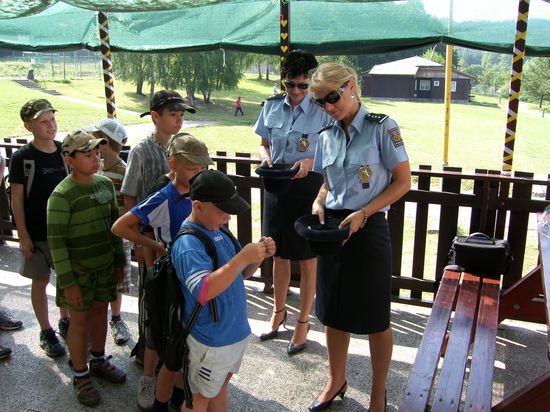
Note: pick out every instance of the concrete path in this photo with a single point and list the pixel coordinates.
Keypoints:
(268, 381)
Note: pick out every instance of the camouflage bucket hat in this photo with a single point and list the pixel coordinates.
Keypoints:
(33, 109)
(80, 141)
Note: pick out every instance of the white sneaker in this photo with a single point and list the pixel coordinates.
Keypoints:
(146, 392)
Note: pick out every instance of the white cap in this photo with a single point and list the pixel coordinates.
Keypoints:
(112, 128)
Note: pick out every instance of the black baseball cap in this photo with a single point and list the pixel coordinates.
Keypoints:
(216, 187)
(170, 99)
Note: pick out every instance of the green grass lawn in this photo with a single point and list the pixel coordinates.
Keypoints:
(476, 137)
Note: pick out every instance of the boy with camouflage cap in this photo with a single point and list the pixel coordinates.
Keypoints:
(164, 211)
(35, 170)
(147, 162)
(87, 258)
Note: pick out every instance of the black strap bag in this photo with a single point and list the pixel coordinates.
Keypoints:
(481, 254)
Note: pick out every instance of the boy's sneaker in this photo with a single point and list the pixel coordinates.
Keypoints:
(63, 326)
(7, 323)
(120, 331)
(4, 352)
(50, 344)
(146, 392)
(85, 391)
(106, 370)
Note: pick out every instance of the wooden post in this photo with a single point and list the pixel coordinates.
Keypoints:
(107, 64)
(284, 21)
(515, 87)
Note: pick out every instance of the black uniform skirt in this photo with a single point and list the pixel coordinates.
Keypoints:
(282, 209)
(354, 285)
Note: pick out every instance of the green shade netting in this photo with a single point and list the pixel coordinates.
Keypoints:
(324, 27)
(20, 8)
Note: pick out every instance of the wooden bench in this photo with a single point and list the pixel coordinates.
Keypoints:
(475, 302)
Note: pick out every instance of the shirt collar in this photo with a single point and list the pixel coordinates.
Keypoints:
(357, 123)
(304, 105)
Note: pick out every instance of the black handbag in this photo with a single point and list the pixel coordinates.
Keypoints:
(481, 254)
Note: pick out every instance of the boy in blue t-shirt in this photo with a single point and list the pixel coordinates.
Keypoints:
(165, 211)
(215, 349)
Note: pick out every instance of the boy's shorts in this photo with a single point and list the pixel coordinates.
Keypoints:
(38, 266)
(125, 285)
(209, 366)
(99, 286)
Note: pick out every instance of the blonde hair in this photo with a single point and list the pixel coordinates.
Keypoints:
(329, 77)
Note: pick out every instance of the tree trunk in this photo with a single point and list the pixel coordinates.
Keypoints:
(139, 87)
(541, 100)
(259, 70)
(267, 71)
(152, 88)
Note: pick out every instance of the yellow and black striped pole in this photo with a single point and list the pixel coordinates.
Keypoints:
(107, 64)
(515, 86)
(284, 21)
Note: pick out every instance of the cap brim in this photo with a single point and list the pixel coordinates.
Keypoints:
(173, 106)
(180, 107)
(197, 159)
(41, 112)
(277, 171)
(234, 206)
(89, 129)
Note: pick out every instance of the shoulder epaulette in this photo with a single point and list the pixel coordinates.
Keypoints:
(279, 96)
(376, 117)
(328, 126)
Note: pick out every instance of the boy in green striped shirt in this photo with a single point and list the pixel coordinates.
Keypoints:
(81, 211)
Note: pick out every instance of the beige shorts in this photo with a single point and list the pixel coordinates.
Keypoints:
(39, 265)
(209, 366)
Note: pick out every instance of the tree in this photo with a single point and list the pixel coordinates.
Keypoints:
(536, 80)
(138, 68)
(200, 72)
(431, 54)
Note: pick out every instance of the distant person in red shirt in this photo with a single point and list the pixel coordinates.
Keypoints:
(238, 107)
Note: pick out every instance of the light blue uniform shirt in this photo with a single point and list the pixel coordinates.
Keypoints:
(283, 127)
(373, 145)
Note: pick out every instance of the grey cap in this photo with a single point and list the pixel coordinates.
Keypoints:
(112, 128)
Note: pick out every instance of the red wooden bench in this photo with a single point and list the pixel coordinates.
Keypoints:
(475, 302)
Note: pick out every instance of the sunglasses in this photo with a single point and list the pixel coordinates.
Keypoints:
(331, 98)
(292, 85)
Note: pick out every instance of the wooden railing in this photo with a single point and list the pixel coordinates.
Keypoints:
(422, 224)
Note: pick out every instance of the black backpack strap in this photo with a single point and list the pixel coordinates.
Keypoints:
(226, 230)
(213, 254)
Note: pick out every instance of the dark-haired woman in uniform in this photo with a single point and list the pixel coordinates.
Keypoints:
(288, 126)
(366, 169)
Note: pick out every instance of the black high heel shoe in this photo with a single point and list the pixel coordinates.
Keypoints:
(321, 406)
(273, 334)
(293, 349)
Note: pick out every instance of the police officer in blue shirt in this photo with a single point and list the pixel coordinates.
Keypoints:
(366, 169)
(288, 126)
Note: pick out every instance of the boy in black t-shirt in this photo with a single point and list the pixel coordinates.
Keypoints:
(35, 170)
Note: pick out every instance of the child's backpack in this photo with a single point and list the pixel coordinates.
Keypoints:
(164, 303)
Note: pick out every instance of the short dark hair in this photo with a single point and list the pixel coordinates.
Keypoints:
(298, 63)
